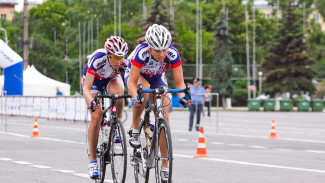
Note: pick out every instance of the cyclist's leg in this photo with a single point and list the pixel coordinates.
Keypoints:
(115, 86)
(134, 132)
(93, 129)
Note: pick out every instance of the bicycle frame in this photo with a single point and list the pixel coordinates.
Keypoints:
(153, 151)
(113, 116)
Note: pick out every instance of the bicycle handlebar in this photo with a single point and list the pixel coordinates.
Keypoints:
(162, 90)
(112, 97)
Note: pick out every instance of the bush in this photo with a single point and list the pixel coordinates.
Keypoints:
(239, 97)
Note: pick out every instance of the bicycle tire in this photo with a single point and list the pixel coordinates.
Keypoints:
(101, 163)
(140, 174)
(118, 151)
(164, 126)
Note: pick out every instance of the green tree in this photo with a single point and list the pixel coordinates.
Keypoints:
(316, 42)
(51, 16)
(221, 69)
(320, 4)
(287, 68)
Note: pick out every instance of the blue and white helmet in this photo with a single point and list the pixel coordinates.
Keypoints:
(158, 37)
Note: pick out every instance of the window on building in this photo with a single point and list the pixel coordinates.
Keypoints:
(3, 16)
(316, 17)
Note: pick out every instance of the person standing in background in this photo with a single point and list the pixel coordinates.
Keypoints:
(58, 92)
(197, 93)
(76, 93)
(207, 99)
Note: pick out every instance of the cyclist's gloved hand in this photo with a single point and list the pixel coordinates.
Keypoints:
(136, 102)
(185, 101)
(93, 106)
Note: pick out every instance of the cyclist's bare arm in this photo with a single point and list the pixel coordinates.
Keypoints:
(87, 87)
(179, 81)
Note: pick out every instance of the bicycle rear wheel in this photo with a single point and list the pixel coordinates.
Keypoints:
(141, 171)
(118, 151)
(164, 153)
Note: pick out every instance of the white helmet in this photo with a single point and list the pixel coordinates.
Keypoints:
(116, 45)
(158, 37)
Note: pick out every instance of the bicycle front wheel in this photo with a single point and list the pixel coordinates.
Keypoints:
(101, 159)
(164, 153)
(141, 170)
(118, 151)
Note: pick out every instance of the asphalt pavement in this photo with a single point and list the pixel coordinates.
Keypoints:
(237, 142)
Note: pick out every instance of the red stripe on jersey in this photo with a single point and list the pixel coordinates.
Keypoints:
(133, 62)
(90, 71)
(177, 64)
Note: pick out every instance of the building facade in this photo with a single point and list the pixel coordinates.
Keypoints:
(7, 9)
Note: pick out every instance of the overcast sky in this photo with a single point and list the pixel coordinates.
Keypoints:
(20, 5)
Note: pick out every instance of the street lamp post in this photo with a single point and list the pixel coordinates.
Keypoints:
(6, 38)
(260, 74)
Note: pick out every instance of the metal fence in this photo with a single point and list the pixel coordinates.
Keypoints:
(239, 72)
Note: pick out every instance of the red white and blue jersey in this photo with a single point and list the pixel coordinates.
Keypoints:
(99, 66)
(151, 68)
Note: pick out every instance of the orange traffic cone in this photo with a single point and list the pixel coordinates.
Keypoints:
(35, 129)
(273, 132)
(201, 151)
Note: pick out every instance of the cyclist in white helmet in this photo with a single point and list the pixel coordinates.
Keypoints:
(103, 72)
(147, 66)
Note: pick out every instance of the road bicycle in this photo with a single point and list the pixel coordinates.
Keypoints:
(149, 155)
(111, 148)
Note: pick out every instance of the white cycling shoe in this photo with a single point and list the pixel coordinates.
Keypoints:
(164, 173)
(93, 169)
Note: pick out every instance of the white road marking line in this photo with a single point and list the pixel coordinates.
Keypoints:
(60, 140)
(289, 139)
(315, 151)
(81, 175)
(254, 164)
(281, 149)
(23, 162)
(15, 134)
(5, 159)
(257, 147)
(238, 145)
(45, 138)
(63, 171)
(40, 166)
(217, 143)
(182, 140)
(47, 167)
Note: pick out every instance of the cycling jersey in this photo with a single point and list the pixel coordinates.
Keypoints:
(150, 68)
(99, 66)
